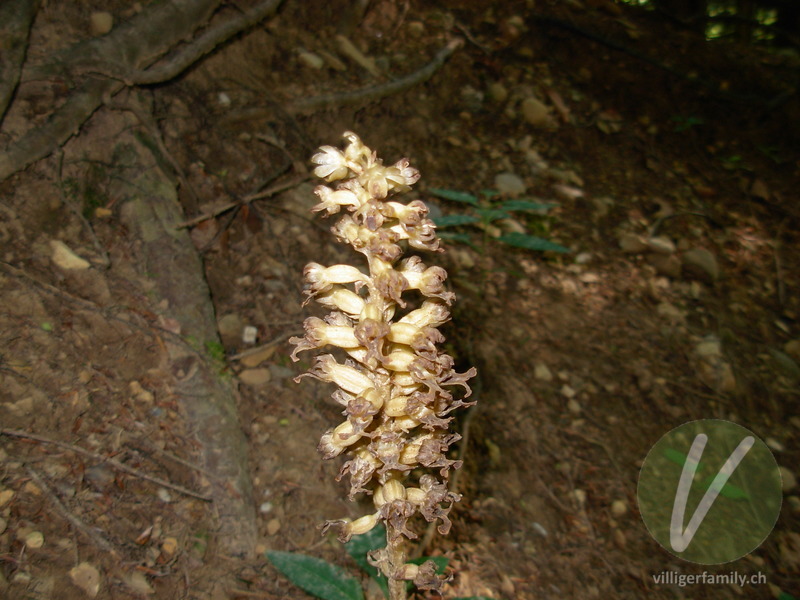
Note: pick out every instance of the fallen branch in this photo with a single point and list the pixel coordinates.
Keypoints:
(105, 459)
(16, 17)
(373, 93)
(369, 94)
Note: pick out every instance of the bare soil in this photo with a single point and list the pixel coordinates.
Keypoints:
(585, 359)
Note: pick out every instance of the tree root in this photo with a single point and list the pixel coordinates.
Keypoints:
(151, 211)
(127, 53)
(16, 17)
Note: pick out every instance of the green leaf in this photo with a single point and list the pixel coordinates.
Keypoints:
(316, 576)
(539, 207)
(473, 598)
(455, 220)
(675, 456)
(455, 237)
(531, 242)
(729, 491)
(488, 215)
(360, 545)
(454, 195)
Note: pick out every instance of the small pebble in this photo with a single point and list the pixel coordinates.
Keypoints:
(788, 479)
(86, 577)
(542, 372)
(535, 112)
(5, 497)
(619, 508)
(35, 539)
(509, 184)
(255, 377)
(273, 526)
(311, 60)
(101, 22)
(65, 258)
(249, 334)
(567, 391)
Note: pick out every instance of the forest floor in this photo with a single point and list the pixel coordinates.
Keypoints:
(672, 165)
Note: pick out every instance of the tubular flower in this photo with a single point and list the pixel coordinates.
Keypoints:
(332, 164)
(394, 383)
(331, 202)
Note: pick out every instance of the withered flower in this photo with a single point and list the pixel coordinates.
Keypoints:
(393, 383)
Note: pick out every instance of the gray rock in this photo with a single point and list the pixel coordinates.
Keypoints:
(497, 92)
(535, 112)
(631, 243)
(509, 184)
(669, 265)
(662, 245)
(701, 263)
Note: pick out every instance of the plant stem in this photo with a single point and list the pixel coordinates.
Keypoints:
(397, 558)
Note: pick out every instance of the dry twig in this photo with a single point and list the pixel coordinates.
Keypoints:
(96, 538)
(276, 189)
(112, 462)
(377, 92)
(369, 94)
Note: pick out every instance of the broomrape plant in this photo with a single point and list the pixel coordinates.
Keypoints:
(395, 384)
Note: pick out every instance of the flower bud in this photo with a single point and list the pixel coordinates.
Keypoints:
(342, 299)
(363, 525)
(393, 490)
(415, 495)
(399, 360)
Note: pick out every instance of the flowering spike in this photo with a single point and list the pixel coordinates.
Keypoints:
(394, 384)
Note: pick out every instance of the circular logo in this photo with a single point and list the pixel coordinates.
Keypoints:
(709, 491)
